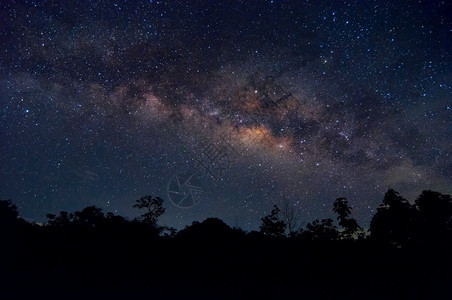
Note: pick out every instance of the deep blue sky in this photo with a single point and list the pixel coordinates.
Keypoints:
(262, 102)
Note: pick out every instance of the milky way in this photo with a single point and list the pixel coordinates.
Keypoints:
(256, 103)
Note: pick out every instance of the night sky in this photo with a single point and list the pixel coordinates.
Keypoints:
(223, 108)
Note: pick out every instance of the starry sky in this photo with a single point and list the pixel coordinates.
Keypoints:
(223, 108)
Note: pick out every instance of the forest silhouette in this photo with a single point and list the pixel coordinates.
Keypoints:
(406, 253)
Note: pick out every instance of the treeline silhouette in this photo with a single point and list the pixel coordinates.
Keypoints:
(88, 254)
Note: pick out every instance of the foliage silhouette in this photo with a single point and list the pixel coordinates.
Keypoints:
(342, 208)
(113, 220)
(91, 254)
(434, 216)
(210, 229)
(320, 231)
(272, 226)
(90, 216)
(8, 213)
(291, 217)
(395, 220)
(350, 226)
(64, 219)
(153, 207)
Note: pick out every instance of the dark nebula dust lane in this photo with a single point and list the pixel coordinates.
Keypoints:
(223, 108)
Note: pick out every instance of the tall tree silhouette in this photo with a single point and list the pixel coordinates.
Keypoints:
(153, 207)
(394, 221)
(272, 225)
(290, 216)
(435, 215)
(350, 226)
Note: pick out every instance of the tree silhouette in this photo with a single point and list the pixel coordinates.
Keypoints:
(113, 220)
(350, 226)
(209, 229)
(342, 208)
(64, 219)
(290, 216)
(394, 220)
(320, 230)
(8, 213)
(169, 232)
(153, 207)
(435, 215)
(109, 250)
(90, 216)
(271, 224)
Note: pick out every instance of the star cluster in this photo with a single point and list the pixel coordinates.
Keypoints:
(262, 102)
